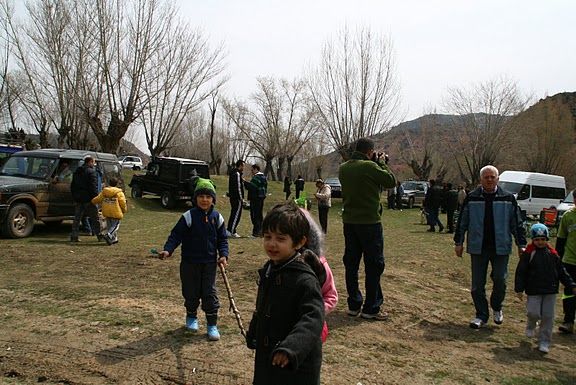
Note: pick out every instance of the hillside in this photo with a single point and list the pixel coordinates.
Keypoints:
(542, 139)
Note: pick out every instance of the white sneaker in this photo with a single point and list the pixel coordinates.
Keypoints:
(530, 333)
(476, 323)
(236, 235)
(498, 317)
(544, 347)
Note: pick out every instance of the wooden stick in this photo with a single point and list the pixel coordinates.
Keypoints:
(233, 307)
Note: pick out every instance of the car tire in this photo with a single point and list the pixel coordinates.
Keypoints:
(167, 200)
(19, 221)
(136, 191)
(410, 202)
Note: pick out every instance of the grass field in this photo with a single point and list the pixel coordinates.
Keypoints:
(94, 314)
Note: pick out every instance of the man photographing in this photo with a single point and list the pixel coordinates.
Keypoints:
(363, 177)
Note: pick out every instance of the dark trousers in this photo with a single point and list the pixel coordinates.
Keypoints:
(569, 299)
(287, 194)
(256, 215)
(398, 202)
(323, 217)
(450, 219)
(498, 275)
(391, 202)
(298, 193)
(91, 211)
(433, 218)
(365, 240)
(235, 214)
(199, 284)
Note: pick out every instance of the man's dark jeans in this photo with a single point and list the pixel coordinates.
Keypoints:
(256, 216)
(364, 240)
(498, 275)
(91, 211)
(569, 299)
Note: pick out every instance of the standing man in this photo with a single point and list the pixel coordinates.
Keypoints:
(432, 203)
(257, 189)
(236, 195)
(84, 187)
(362, 178)
(299, 185)
(491, 217)
(566, 247)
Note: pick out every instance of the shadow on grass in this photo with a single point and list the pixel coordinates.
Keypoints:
(174, 340)
(565, 378)
(455, 331)
(525, 351)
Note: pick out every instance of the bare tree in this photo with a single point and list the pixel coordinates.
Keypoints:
(482, 127)
(354, 88)
(182, 73)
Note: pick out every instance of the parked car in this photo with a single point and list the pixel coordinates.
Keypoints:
(335, 185)
(32, 187)
(133, 162)
(168, 178)
(414, 193)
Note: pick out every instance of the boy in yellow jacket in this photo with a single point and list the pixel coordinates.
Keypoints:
(114, 206)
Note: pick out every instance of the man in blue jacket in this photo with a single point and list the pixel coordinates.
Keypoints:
(491, 217)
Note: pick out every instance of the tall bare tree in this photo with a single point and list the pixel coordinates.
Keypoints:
(182, 73)
(482, 127)
(355, 88)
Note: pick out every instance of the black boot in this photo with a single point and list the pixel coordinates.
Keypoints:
(431, 229)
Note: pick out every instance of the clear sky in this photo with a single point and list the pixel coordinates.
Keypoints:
(438, 44)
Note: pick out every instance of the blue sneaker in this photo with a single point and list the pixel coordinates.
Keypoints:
(213, 334)
(192, 324)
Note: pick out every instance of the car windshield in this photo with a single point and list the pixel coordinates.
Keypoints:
(30, 167)
(413, 186)
(512, 187)
(334, 181)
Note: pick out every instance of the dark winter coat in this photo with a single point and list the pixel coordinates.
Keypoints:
(451, 202)
(539, 271)
(289, 317)
(434, 197)
(235, 185)
(257, 187)
(299, 184)
(84, 184)
(202, 235)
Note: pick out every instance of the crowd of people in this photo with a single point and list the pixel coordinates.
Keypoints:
(296, 287)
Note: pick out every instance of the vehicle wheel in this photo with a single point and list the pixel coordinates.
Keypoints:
(136, 168)
(136, 191)
(410, 203)
(19, 221)
(167, 200)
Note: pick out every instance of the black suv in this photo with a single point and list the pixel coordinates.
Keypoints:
(168, 178)
(36, 185)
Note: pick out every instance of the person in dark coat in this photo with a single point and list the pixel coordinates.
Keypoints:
(84, 187)
(287, 184)
(299, 185)
(286, 327)
(236, 195)
(538, 272)
(432, 203)
(257, 190)
(450, 204)
(398, 197)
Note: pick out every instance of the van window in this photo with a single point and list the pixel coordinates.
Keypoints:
(547, 192)
(169, 171)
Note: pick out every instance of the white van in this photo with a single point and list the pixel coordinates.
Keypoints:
(534, 191)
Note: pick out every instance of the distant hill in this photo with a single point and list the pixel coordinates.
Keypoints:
(549, 123)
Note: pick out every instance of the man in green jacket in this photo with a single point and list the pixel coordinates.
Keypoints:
(363, 177)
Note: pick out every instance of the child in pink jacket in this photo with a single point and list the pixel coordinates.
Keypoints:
(329, 293)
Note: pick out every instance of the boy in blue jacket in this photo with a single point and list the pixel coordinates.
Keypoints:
(202, 233)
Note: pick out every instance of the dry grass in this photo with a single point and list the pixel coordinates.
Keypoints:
(93, 314)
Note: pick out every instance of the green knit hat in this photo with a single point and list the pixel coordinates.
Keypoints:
(205, 186)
